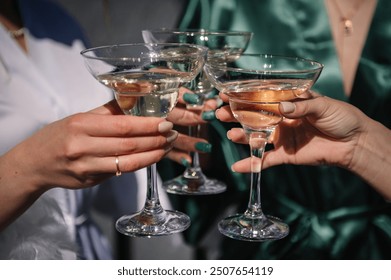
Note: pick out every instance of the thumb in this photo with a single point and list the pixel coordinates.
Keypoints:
(299, 109)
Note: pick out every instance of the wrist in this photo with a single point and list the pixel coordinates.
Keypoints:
(372, 156)
(19, 177)
(18, 187)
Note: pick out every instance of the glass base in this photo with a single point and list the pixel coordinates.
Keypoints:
(143, 224)
(194, 186)
(246, 228)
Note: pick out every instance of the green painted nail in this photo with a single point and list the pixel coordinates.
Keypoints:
(219, 102)
(203, 147)
(185, 163)
(211, 94)
(208, 115)
(191, 98)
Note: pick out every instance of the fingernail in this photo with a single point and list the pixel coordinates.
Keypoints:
(185, 162)
(233, 169)
(228, 132)
(211, 94)
(287, 107)
(220, 102)
(168, 149)
(203, 147)
(191, 98)
(216, 114)
(165, 126)
(171, 136)
(208, 115)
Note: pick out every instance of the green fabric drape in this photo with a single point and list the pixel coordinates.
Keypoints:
(332, 213)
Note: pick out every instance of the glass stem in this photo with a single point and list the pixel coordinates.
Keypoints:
(194, 172)
(194, 131)
(257, 141)
(152, 203)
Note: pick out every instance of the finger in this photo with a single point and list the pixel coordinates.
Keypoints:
(237, 135)
(205, 108)
(210, 104)
(120, 125)
(242, 166)
(315, 106)
(191, 144)
(225, 114)
(181, 92)
(270, 159)
(126, 163)
(273, 158)
(224, 97)
(180, 157)
(121, 146)
(187, 96)
(185, 117)
(314, 94)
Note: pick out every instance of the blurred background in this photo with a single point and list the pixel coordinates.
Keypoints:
(121, 21)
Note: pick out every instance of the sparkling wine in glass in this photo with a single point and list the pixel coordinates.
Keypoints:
(193, 181)
(145, 79)
(255, 85)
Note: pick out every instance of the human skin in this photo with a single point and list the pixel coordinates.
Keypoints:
(77, 152)
(182, 117)
(320, 131)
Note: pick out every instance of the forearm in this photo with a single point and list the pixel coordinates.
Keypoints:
(372, 159)
(18, 190)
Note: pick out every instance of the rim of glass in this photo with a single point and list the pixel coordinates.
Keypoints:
(86, 53)
(201, 31)
(317, 65)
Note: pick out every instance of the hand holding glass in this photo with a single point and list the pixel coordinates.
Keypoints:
(145, 79)
(255, 85)
(193, 181)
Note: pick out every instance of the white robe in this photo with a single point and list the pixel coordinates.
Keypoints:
(47, 84)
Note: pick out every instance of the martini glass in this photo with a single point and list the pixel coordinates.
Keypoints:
(145, 79)
(255, 85)
(193, 181)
